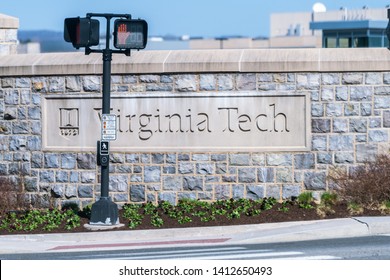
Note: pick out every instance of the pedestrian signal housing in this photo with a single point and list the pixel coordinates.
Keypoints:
(130, 34)
(81, 32)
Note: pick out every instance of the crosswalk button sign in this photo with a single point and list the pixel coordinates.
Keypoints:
(109, 127)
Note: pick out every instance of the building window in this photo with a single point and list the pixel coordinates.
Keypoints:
(376, 42)
(345, 42)
(360, 42)
(355, 39)
(330, 42)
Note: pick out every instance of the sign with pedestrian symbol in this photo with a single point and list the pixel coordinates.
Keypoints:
(108, 127)
(104, 147)
(103, 157)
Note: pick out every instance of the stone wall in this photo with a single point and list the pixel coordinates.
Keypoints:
(350, 122)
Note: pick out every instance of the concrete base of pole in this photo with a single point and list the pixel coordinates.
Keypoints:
(97, 227)
(104, 212)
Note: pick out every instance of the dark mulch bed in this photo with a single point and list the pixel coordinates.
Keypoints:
(274, 215)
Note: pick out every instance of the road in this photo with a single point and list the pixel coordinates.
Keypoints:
(360, 248)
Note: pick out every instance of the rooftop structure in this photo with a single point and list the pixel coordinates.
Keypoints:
(352, 28)
(363, 27)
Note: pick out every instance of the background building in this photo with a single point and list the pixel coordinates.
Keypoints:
(343, 28)
(319, 28)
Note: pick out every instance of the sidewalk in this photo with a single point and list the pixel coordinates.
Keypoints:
(227, 235)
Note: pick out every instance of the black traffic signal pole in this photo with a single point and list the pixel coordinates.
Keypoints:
(388, 27)
(104, 211)
(83, 33)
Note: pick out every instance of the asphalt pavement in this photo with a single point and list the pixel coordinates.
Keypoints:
(226, 235)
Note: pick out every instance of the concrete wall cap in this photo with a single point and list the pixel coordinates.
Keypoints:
(201, 61)
(8, 22)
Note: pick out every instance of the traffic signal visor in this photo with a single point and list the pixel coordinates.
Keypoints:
(130, 34)
(81, 32)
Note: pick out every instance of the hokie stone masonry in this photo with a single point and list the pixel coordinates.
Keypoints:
(348, 119)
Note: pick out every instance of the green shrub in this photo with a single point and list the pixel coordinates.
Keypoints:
(73, 206)
(47, 220)
(355, 208)
(187, 210)
(86, 211)
(284, 207)
(305, 200)
(385, 207)
(329, 198)
(131, 213)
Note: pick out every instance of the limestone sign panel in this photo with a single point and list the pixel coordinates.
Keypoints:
(187, 122)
